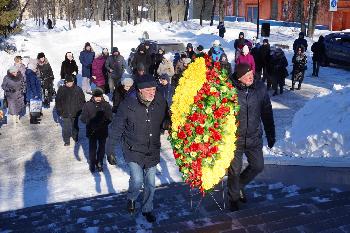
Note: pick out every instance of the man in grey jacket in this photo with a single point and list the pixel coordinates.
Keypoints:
(115, 66)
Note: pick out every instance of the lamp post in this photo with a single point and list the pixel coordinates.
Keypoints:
(257, 21)
(111, 31)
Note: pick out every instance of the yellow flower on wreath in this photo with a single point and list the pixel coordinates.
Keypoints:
(191, 82)
(212, 176)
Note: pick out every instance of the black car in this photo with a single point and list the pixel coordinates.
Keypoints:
(337, 48)
(167, 45)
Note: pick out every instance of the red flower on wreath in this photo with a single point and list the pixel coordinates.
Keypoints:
(199, 130)
(181, 134)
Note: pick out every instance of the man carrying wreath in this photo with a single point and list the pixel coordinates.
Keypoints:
(255, 107)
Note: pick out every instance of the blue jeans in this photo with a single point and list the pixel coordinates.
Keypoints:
(139, 176)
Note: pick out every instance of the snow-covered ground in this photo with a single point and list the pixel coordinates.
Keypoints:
(35, 168)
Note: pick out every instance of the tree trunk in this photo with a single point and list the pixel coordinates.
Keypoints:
(221, 11)
(313, 10)
(141, 12)
(54, 13)
(201, 14)
(186, 10)
(169, 11)
(302, 16)
(134, 11)
(22, 11)
(212, 13)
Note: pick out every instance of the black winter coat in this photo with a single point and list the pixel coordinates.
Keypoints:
(119, 95)
(255, 52)
(264, 54)
(97, 117)
(298, 42)
(46, 75)
(69, 101)
(255, 107)
(138, 128)
(68, 67)
(144, 59)
(319, 51)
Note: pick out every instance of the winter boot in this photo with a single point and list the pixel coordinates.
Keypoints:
(299, 86)
(111, 160)
(234, 206)
(275, 93)
(149, 217)
(292, 88)
(131, 206)
(99, 166)
(92, 168)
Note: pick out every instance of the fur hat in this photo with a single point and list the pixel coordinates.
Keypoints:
(69, 78)
(32, 64)
(245, 49)
(146, 81)
(115, 49)
(165, 77)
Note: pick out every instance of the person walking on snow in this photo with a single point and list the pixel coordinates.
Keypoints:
(299, 66)
(99, 71)
(319, 55)
(45, 73)
(255, 108)
(115, 66)
(216, 51)
(69, 67)
(14, 87)
(69, 103)
(22, 68)
(137, 126)
(239, 44)
(96, 114)
(33, 89)
(86, 58)
(247, 58)
(278, 70)
(222, 29)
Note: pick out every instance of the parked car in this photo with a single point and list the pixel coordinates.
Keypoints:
(172, 46)
(337, 48)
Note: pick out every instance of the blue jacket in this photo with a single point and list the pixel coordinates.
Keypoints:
(138, 128)
(86, 58)
(33, 85)
(215, 53)
(167, 92)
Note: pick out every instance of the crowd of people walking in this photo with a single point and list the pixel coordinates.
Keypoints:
(139, 108)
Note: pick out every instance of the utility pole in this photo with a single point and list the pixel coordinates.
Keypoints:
(258, 21)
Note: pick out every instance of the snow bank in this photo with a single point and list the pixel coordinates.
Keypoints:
(321, 128)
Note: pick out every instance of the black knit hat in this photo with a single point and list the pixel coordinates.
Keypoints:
(189, 45)
(115, 49)
(200, 48)
(87, 44)
(146, 81)
(40, 55)
(140, 67)
(241, 33)
(265, 41)
(98, 92)
(242, 69)
(69, 78)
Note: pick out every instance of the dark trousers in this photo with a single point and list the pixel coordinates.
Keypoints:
(277, 81)
(70, 129)
(316, 67)
(97, 148)
(237, 180)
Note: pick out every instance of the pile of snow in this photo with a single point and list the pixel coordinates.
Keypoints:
(321, 128)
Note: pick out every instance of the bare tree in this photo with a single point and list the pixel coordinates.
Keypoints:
(212, 13)
(301, 15)
(201, 13)
(187, 2)
(221, 11)
(23, 10)
(313, 10)
(169, 11)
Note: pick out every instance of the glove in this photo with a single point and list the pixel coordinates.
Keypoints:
(271, 142)
(111, 159)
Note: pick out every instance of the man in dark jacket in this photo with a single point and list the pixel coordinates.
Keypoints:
(137, 126)
(141, 57)
(96, 114)
(264, 57)
(319, 53)
(115, 66)
(300, 42)
(45, 73)
(69, 102)
(86, 58)
(222, 29)
(255, 107)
